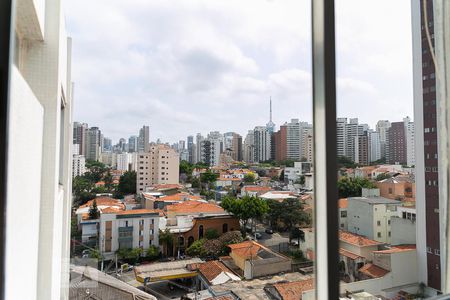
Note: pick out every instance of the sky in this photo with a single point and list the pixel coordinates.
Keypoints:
(189, 66)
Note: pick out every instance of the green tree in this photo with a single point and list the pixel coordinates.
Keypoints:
(211, 234)
(296, 233)
(195, 183)
(197, 249)
(208, 177)
(166, 239)
(127, 184)
(96, 170)
(288, 212)
(345, 162)
(249, 178)
(186, 167)
(152, 253)
(245, 208)
(300, 180)
(282, 176)
(352, 187)
(108, 179)
(383, 176)
(94, 213)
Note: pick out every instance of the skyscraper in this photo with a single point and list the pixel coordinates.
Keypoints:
(133, 143)
(92, 146)
(427, 167)
(262, 142)
(144, 139)
(382, 128)
(280, 143)
(191, 148)
(79, 136)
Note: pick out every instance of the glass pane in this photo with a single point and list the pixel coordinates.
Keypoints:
(390, 221)
(193, 146)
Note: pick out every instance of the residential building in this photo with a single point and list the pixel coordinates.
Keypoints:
(341, 136)
(78, 165)
(79, 136)
(410, 142)
(361, 148)
(158, 166)
(93, 145)
(399, 187)
(292, 174)
(39, 150)
(236, 147)
(289, 290)
(293, 139)
(191, 149)
(249, 147)
(308, 144)
(124, 161)
(374, 147)
(280, 143)
(107, 144)
(370, 216)
(262, 144)
(144, 139)
(430, 213)
(198, 156)
(382, 128)
(108, 158)
(210, 150)
(397, 143)
(127, 229)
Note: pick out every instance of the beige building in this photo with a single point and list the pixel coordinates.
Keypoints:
(158, 166)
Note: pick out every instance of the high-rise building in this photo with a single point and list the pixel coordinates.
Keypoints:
(92, 145)
(249, 147)
(308, 145)
(39, 150)
(396, 143)
(293, 139)
(181, 145)
(374, 145)
(410, 141)
(210, 150)
(191, 149)
(361, 149)
(341, 141)
(107, 144)
(262, 142)
(158, 166)
(198, 139)
(382, 127)
(280, 143)
(79, 136)
(133, 143)
(429, 218)
(78, 165)
(144, 139)
(123, 161)
(236, 147)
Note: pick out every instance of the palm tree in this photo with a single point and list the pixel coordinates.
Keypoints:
(166, 239)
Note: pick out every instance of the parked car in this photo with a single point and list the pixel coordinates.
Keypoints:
(258, 235)
(269, 230)
(294, 243)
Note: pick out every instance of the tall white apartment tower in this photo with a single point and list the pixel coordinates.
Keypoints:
(40, 114)
(262, 142)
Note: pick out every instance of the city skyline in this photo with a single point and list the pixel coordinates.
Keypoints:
(215, 65)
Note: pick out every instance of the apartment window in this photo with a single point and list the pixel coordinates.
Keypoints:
(389, 234)
(344, 214)
(379, 234)
(437, 252)
(429, 250)
(378, 223)
(389, 222)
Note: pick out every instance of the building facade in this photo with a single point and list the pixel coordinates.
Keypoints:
(159, 166)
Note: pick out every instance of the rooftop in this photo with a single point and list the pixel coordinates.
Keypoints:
(293, 290)
(375, 200)
(216, 272)
(343, 203)
(193, 206)
(357, 240)
(396, 249)
(373, 271)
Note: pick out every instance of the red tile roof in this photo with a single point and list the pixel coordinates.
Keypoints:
(373, 271)
(357, 240)
(256, 188)
(194, 207)
(293, 290)
(247, 249)
(137, 211)
(349, 254)
(179, 197)
(343, 203)
(211, 269)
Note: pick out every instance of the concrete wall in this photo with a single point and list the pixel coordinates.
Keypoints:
(403, 231)
(263, 267)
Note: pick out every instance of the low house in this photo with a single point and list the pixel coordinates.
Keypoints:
(213, 272)
(255, 260)
(354, 252)
(398, 188)
(254, 190)
(279, 195)
(289, 290)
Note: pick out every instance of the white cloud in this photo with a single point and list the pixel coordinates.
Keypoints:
(194, 66)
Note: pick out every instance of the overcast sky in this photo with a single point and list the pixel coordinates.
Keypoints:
(185, 66)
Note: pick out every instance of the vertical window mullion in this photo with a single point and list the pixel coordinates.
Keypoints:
(325, 155)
